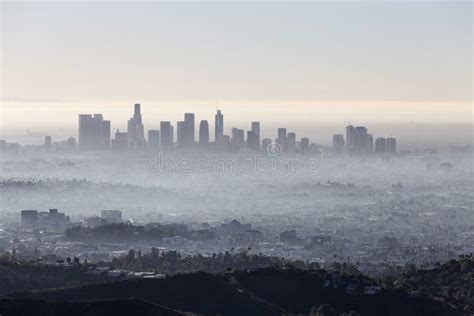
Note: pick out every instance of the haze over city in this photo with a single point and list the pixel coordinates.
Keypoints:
(236, 158)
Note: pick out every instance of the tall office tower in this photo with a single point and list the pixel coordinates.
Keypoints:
(189, 138)
(360, 139)
(369, 143)
(281, 139)
(94, 132)
(237, 140)
(225, 143)
(252, 141)
(338, 143)
(136, 130)
(219, 127)
(153, 140)
(291, 142)
(304, 145)
(47, 142)
(380, 145)
(120, 142)
(166, 137)
(350, 136)
(105, 134)
(180, 134)
(391, 145)
(204, 134)
(256, 132)
(265, 143)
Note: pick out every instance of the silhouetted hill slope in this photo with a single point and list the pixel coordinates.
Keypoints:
(131, 306)
(451, 282)
(297, 290)
(198, 293)
(22, 276)
(263, 292)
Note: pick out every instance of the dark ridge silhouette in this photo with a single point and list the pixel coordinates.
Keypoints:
(268, 291)
(132, 306)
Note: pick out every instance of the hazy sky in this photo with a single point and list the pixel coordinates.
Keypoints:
(271, 51)
(316, 61)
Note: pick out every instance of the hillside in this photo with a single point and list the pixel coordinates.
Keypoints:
(268, 291)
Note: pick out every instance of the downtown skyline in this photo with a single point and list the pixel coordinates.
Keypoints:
(95, 134)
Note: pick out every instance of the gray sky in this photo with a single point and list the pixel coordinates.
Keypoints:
(238, 51)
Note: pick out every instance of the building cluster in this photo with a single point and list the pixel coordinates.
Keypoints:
(107, 217)
(359, 141)
(51, 220)
(94, 134)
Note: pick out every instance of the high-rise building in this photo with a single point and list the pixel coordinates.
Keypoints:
(180, 133)
(360, 139)
(189, 138)
(153, 140)
(47, 142)
(338, 143)
(391, 145)
(369, 143)
(304, 145)
(291, 142)
(237, 140)
(166, 137)
(252, 141)
(136, 130)
(94, 132)
(281, 139)
(105, 135)
(120, 142)
(350, 137)
(219, 126)
(204, 134)
(256, 132)
(381, 145)
(265, 143)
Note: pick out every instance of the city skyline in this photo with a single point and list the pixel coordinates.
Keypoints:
(94, 134)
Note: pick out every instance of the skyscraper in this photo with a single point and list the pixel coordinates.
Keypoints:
(153, 140)
(204, 134)
(252, 141)
(291, 142)
(360, 139)
(350, 136)
(94, 132)
(120, 142)
(391, 145)
(369, 143)
(189, 138)
(237, 140)
(256, 132)
(381, 145)
(180, 133)
(281, 139)
(136, 131)
(265, 143)
(219, 126)
(105, 134)
(166, 137)
(338, 143)
(304, 145)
